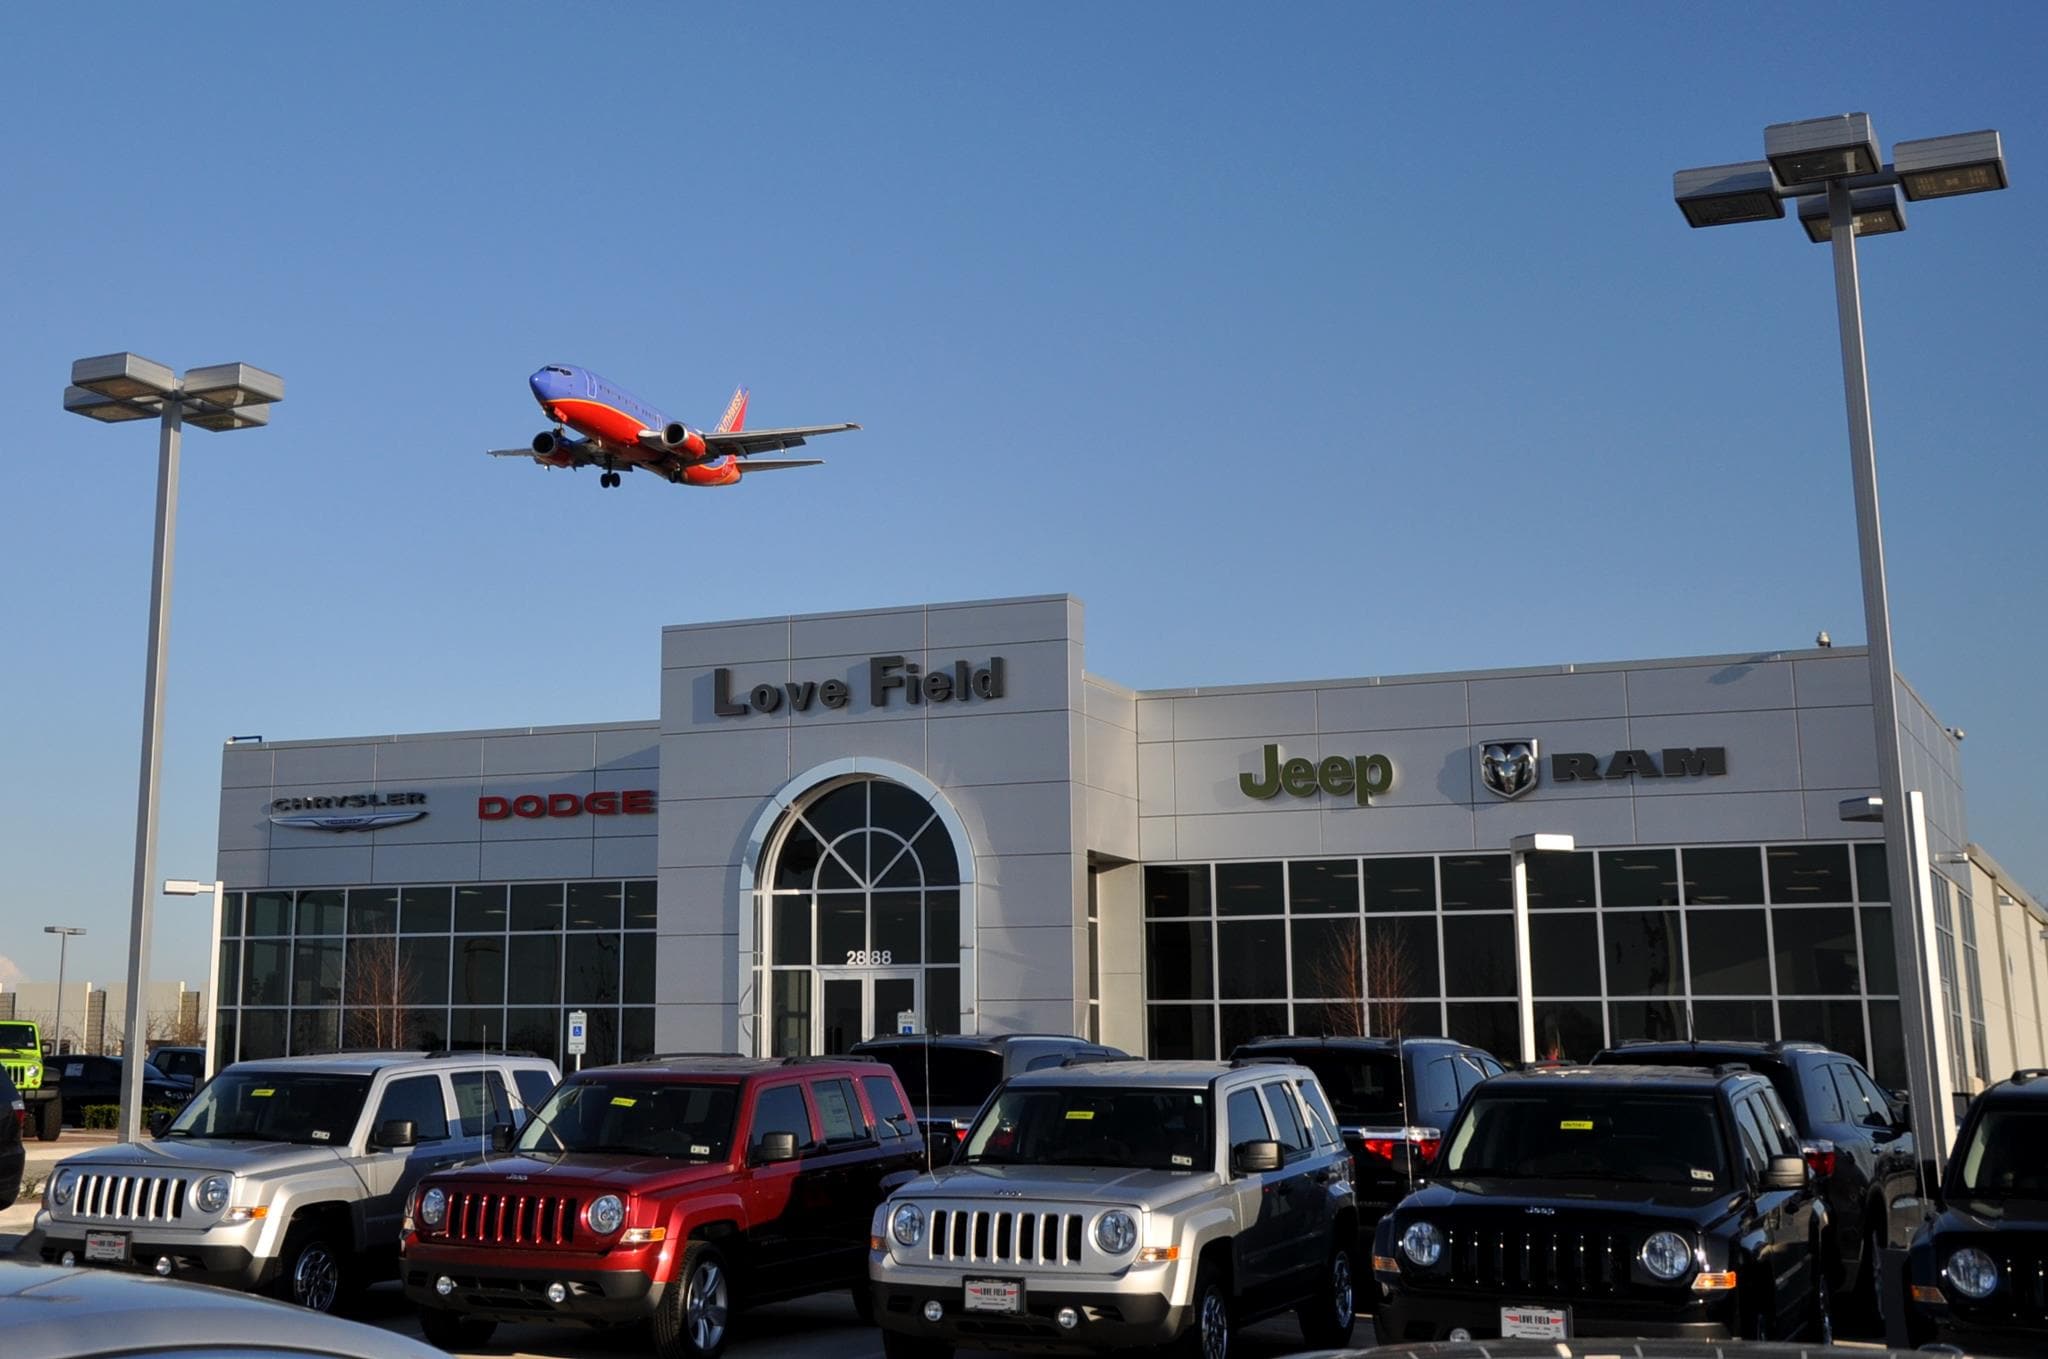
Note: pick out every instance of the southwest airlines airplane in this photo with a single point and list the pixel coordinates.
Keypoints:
(621, 433)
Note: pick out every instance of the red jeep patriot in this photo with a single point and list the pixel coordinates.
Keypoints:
(671, 1190)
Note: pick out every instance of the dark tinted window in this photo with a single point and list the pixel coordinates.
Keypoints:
(937, 1076)
(534, 1087)
(1364, 1086)
(1177, 889)
(1178, 965)
(1857, 1106)
(1436, 1086)
(1730, 956)
(1643, 953)
(1468, 1074)
(1287, 1124)
(1823, 1103)
(314, 1110)
(1401, 958)
(1322, 885)
(887, 1106)
(1639, 877)
(417, 1098)
(1658, 1146)
(1872, 884)
(1248, 889)
(1723, 877)
(781, 1109)
(1479, 955)
(1802, 874)
(1560, 881)
(1399, 885)
(636, 1118)
(1478, 882)
(1318, 1107)
(1560, 948)
(1327, 963)
(1247, 1118)
(1090, 1126)
(1257, 950)
(1751, 1132)
(1816, 952)
(2002, 1158)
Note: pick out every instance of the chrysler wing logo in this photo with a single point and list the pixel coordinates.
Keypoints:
(348, 821)
(348, 811)
(1508, 768)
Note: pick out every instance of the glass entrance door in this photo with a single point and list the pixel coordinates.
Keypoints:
(863, 1004)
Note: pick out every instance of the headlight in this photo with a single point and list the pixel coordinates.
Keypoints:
(34, 1072)
(1667, 1255)
(1116, 1231)
(906, 1224)
(213, 1193)
(606, 1214)
(1973, 1272)
(433, 1207)
(61, 1187)
(1423, 1243)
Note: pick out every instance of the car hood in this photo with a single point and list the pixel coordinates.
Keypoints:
(617, 1173)
(1555, 1202)
(1143, 1188)
(205, 1153)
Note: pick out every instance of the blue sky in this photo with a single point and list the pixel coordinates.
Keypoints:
(1297, 341)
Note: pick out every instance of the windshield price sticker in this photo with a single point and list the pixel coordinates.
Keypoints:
(698, 1150)
(1577, 1125)
(265, 1093)
(320, 1135)
(1183, 1160)
(1080, 1115)
(624, 1101)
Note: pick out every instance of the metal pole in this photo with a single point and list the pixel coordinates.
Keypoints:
(1914, 1012)
(63, 947)
(152, 770)
(1525, 984)
(213, 984)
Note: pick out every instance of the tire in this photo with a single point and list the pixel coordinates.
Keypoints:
(864, 1303)
(50, 1120)
(694, 1320)
(1209, 1329)
(318, 1271)
(1821, 1325)
(896, 1345)
(1328, 1317)
(451, 1331)
(1867, 1304)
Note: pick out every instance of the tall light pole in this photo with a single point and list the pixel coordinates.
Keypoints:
(187, 887)
(1831, 166)
(1521, 847)
(115, 388)
(63, 933)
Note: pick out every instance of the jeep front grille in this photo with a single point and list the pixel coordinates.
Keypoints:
(129, 1198)
(16, 1072)
(1562, 1263)
(477, 1218)
(1005, 1236)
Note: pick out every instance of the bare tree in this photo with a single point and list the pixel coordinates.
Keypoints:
(1339, 977)
(374, 994)
(1389, 981)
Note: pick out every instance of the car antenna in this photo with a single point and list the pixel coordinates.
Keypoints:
(1401, 1073)
(924, 1123)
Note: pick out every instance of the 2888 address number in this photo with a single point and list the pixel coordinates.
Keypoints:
(869, 957)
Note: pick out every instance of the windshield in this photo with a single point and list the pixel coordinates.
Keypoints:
(1670, 1143)
(2003, 1159)
(275, 1106)
(1365, 1087)
(1090, 1126)
(958, 1077)
(636, 1118)
(18, 1036)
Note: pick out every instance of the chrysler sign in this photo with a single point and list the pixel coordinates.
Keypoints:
(348, 811)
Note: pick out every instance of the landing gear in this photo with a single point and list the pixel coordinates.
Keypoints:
(608, 479)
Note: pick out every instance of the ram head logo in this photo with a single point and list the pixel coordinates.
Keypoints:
(1508, 768)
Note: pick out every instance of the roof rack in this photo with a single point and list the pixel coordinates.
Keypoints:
(678, 1056)
(474, 1050)
(2027, 1074)
(1096, 1058)
(1258, 1059)
(827, 1057)
(1732, 1069)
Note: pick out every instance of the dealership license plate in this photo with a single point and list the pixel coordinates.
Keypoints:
(107, 1247)
(995, 1295)
(1534, 1323)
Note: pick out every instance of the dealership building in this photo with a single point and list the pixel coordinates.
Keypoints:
(936, 815)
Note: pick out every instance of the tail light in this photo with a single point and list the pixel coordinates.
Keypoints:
(1820, 1158)
(1386, 1143)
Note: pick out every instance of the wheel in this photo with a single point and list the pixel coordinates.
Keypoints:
(693, 1319)
(1208, 1331)
(447, 1330)
(864, 1303)
(50, 1120)
(1867, 1303)
(316, 1270)
(896, 1345)
(1328, 1317)
(1821, 1326)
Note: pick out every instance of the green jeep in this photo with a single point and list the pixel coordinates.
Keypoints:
(21, 1055)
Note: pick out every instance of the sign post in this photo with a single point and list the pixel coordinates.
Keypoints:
(579, 1040)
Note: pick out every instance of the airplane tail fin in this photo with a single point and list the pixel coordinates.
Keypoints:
(735, 417)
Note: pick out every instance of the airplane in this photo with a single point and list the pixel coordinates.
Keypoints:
(623, 434)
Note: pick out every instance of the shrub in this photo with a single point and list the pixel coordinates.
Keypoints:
(109, 1115)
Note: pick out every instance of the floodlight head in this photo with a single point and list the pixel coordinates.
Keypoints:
(1942, 167)
(1542, 842)
(233, 384)
(1818, 149)
(186, 887)
(234, 417)
(1716, 195)
(1861, 808)
(110, 409)
(1872, 212)
(124, 376)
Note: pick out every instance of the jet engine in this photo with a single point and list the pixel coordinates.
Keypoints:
(680, 438)
(547, 445)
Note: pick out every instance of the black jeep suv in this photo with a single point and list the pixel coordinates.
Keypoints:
(950, 1076)
(1978, 1272)
(1856, 1137)
(1611, 1201)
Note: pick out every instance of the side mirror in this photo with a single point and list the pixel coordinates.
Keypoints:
(1785, 1172)
(1255, 1158)
(774, 1148)
(501, 1137)
(159, 1122)
(394, 1134)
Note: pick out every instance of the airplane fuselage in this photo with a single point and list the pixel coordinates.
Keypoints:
(616, 422)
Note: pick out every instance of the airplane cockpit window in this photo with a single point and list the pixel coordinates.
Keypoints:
(556, 368)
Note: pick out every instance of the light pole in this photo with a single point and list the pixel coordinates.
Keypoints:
(63, 933)
(1831, 166)
(188, 887)
(1521, 847)
(115, 388)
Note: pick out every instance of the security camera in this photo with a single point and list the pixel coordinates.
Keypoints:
(1821, 638)
(1956, 733)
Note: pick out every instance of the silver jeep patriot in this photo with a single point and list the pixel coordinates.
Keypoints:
(289, 1174)
(1124, 1204)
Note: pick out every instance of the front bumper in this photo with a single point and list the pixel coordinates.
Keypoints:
(1106, 1320)
(1404, 1314)
(191, 1260)
(519, 1292)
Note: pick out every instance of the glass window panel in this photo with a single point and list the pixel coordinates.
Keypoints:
(477, 1028)
(636, 1033)
(899, 926)
(479, 969)
(263, 1033)
(315, 1031)
(271, 913)
(1323, 885)
(1730, 953)
(790, 935)
(230, 913)
(427, 1028)
(600, 1032)
(1475, 882)
(789, 1014)
(590, 970)
(942, 999)
(1643, 957)
(796, 866)
(534, 1031)
(1327, 962)
(227, 1035)
(1871, 882)
(1564, 954)
(1387, 1018)
(1479, 956)
(1639, 877)
(321, 912)
(1242, 1023)
(1880, 957)
(480, 908)
(1816, 952)
(268, 977)
(1491, 1025)
(534, 969)
(1331, 1017)
(1559, 882)
(1398, 885)
(1744, 1020)
(935, 855)
(1566, 1031)
(1401, 957)
(898, 808)
(1804, 874)
(1836, 1023)
(1176, 890)
(835, 874)
(423, 910)
(639, 970)
(1178, 964)
(535, 906)
(1248, 889)
(1180, 1031)
(1724, 877)
(1887, 1064)
(942, 927)
(839, 811)
(423, 970)
(1257, 950)
(593, 905)
(893, 861)
(1659, 1019)
(370, 975)
(641, 899)
(852, 850)
(373, 910)
(230, 972)
(842, 927)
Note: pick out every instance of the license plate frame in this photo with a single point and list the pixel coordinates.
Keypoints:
(993, 1297)
(106, 1248)
(1535, 1323)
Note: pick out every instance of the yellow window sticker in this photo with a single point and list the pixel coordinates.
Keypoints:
(624, 1101)
(1577, 1125)
(264, 1093)
(1080, 1115)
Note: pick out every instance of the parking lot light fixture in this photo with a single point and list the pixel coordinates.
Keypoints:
(1816, 150)
(63, 933)
(1872, 212)
(191, 887)
(1943, 167)
(1717, 195)
(1520, 847)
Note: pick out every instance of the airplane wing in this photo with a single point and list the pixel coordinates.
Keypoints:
(575, 451)
(747, 442)
(753, 465)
